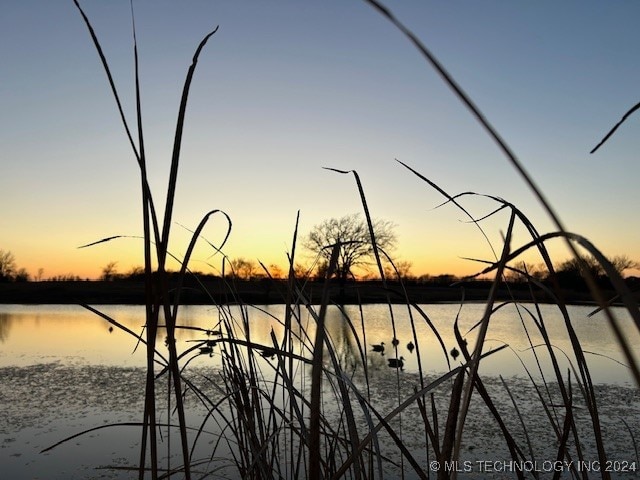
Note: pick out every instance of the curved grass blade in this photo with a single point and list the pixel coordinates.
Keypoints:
(100, 427)
(513, 160)
(476, 356)
(399, 409)
(519, 415)
(108, 239)
(316, 374)
(615, 127)
(121, 327)
(177, 144)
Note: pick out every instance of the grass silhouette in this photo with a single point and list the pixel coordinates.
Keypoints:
(269, 404)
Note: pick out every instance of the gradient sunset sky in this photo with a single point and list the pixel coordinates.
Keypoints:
(285, 88)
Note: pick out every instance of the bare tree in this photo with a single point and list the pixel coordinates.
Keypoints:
(402, 270)
(243, 268)
(622, 263)
(276, 271)
(352, 233)
(22, 275)
(301, 270)
(109, 272)
(7, 266)
(524, 271)
(619, 262)
(134, 272)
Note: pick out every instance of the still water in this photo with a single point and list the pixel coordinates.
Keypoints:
(63, 369)
(71, 335)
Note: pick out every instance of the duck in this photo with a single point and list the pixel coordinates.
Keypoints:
(396, 363)
(395, 342)
(454, 353)
(378, 348)
(410, 347)
(268, 352)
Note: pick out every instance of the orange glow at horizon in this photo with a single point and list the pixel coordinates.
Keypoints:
(89, 265)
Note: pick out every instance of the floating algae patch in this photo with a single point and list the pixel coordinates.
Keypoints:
(38, 394)
(45, 403)
(484, 449)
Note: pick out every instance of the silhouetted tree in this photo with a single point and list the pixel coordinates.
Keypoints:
(352, 233)
(444, 279)
(301, 271)
(243, 268)
(134, 273)
(622, 263)
(403, 269)
(67, 277)
(275, 271)
(109, 272)
(21, 275)
(571, 273)
(7, 266)
(529, 270)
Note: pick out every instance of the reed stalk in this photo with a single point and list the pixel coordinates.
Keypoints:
(290, 406)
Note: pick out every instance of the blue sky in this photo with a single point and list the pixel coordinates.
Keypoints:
(285, 88)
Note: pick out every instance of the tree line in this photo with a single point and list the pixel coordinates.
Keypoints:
(350, 237)
(9, 272)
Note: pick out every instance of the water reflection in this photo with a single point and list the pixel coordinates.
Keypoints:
(343, 340)
(72, 335)
(5, 326)
(73, 364)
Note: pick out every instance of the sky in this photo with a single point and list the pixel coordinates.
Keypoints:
(286, 88)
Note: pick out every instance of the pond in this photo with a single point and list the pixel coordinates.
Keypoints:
(64, 369)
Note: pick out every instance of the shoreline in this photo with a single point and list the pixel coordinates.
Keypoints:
(266, 292)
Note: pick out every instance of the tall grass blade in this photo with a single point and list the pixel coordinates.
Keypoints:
(633, 440)
(568, 427)
(532, 456)
(450, 427)
(112, 84)
(367, 214)
(630, 303)
(108, 239)
(615, 127)
(513, 160)
(117, 324)
(466, 100)
(316, 373)
(149, 218)
(476, 356)
(399, 409)
(177, 144)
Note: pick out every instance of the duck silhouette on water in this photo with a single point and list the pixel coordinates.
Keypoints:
(268, 352)
(206, 350)
(410, 347)
(378, 348)
(396, 363)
